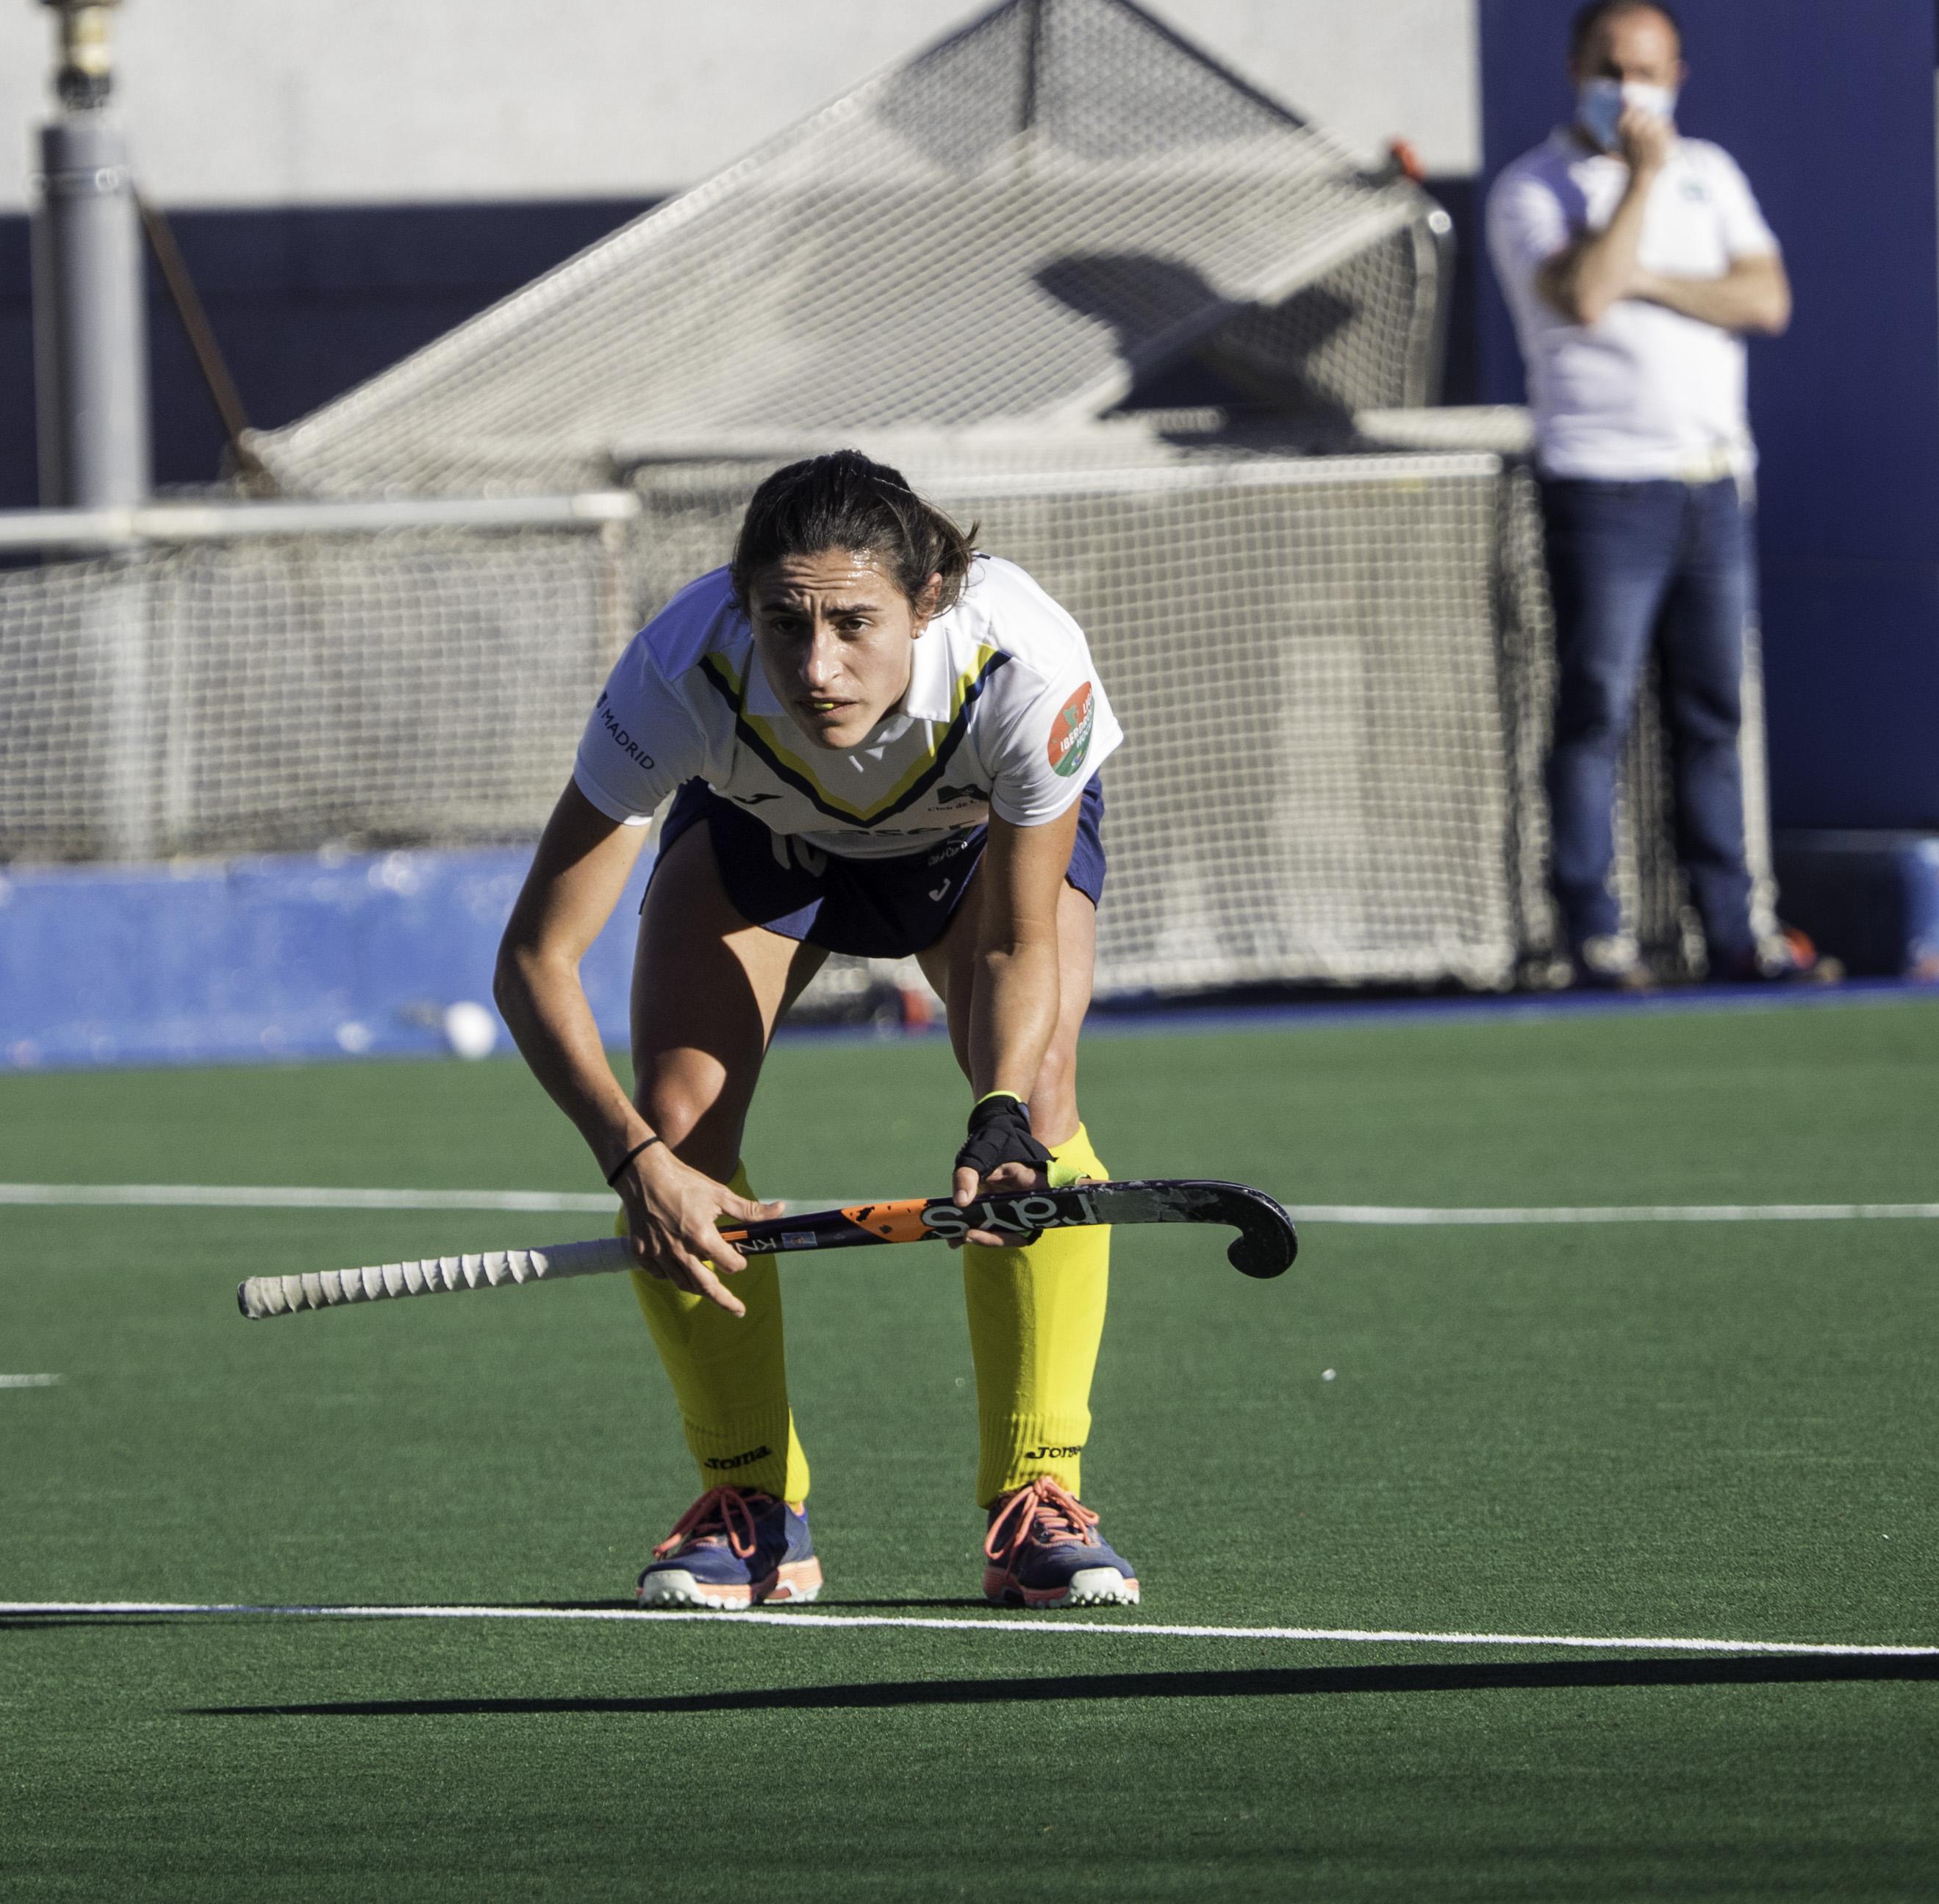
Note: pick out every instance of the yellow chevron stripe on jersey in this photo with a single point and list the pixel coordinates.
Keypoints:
(758, 733)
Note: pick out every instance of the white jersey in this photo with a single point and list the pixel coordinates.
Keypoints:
(1004, 713)
(1645, 393)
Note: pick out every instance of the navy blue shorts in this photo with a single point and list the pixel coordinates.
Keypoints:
(872, 908)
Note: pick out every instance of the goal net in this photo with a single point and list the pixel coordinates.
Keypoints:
(1304, 654)
(1334, 672)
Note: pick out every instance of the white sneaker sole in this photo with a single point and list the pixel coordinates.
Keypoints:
(1100, 1586)
(673, 1587)
(1093, 1586)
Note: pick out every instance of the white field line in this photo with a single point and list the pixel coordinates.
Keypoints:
(29, 1380)
(252, 1196)
(1052, 1628)
(1396, 1214)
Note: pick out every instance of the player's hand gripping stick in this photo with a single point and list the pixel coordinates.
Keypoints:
(999, 1136)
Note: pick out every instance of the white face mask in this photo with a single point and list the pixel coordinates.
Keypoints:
(1599, 104)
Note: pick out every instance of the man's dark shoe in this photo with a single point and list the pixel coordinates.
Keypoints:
(1786, 957)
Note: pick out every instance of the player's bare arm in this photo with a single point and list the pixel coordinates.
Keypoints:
(577, 878)
(1753, 295)
(1014, 1008)
(1017, 983)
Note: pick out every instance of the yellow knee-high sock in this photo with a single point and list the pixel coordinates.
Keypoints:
(730, 1376)
(1037, 1316)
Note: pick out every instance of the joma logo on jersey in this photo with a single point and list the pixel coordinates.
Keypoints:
(1070, 732)
(1052, 1454)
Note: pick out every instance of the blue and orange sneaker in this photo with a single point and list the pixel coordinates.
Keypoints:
(733, 1549)
(1043, 1550)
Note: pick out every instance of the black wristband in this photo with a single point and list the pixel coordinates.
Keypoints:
(645, 1144)
(999, 1133)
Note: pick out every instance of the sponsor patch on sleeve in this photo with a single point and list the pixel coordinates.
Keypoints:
(1071, 731)
(619, 736)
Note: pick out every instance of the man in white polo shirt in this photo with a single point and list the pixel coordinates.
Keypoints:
(1633, 259)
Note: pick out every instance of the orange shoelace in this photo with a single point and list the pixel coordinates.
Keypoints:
(1046, 1510)
(721, 1514)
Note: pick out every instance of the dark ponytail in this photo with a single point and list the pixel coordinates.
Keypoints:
(846, 501)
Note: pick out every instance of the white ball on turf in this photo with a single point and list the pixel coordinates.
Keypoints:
(470, 1030)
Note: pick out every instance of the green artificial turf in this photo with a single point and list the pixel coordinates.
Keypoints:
(1720, 1430)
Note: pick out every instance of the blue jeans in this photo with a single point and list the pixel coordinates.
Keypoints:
(1631, 565)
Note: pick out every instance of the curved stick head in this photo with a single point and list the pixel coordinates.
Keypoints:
(1267, 1242)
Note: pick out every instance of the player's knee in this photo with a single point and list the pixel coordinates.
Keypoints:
(697, 1127)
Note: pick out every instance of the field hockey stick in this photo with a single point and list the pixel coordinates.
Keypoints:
(1266, 1245)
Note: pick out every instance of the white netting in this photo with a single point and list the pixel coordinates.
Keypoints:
(1336, 674)
(1011, 227)
(421, 685)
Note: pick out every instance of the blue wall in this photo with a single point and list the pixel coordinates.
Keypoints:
(284, 957)
(1829, 109)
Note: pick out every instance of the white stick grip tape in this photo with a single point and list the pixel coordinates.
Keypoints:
(284, 1295)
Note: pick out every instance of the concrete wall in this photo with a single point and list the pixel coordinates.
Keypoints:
(300, 102)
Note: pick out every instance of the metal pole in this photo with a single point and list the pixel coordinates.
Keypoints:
(89, 330)
(90, 356)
